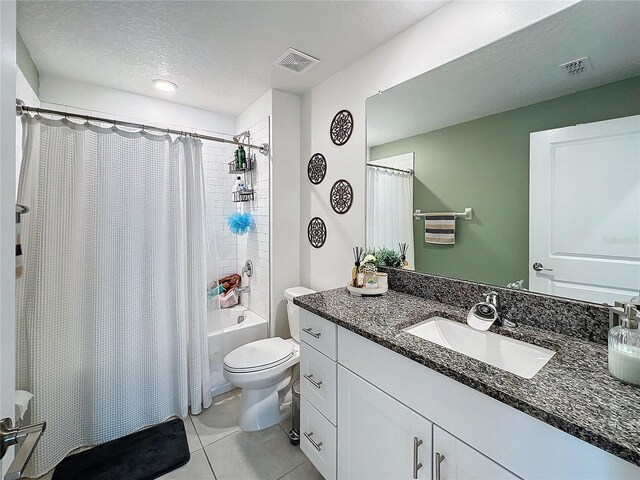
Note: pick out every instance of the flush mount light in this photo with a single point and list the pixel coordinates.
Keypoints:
(164, 85)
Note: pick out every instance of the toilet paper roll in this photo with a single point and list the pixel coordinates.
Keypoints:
(22, 403)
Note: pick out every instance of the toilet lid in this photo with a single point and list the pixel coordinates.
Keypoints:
(258, 355)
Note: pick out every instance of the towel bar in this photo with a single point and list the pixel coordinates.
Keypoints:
(466, 215)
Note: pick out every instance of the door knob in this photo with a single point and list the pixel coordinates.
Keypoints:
(26, 437)
(538, 267)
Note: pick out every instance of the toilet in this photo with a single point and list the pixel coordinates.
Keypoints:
(263, 370)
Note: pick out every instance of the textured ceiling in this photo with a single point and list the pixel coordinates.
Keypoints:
(519, 70)
(221, 54)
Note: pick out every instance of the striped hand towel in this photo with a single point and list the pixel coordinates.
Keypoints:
(440, 228)
(19, 260)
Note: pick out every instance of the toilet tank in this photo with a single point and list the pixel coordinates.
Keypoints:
(293, 311)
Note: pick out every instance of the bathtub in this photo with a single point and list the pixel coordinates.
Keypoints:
(237, 326)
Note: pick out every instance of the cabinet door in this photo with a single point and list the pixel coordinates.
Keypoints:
(379, 437)
(455, 460)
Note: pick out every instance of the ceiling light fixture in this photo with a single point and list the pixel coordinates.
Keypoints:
(164, 85)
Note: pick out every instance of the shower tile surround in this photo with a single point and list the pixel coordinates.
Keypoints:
(574, 392)
(254, 245)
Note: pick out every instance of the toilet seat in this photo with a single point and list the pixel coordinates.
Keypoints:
(259, 355)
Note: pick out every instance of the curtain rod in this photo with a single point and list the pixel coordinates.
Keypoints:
(21, 109)
(408, 172)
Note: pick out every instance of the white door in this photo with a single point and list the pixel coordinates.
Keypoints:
(584, 211)
(379, 437)
(455, 460)
(7, 214)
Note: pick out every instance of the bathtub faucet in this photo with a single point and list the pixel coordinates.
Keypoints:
(242, 290)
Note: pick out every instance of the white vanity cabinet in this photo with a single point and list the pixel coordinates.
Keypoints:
(318, 385)
(452, 458)
(379, 415)
(378, 437)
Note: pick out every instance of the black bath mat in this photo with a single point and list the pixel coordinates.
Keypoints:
(143, 455)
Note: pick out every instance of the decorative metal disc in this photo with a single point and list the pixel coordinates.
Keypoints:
(317, 232)
(317, 168)
(341, 196)
(341, 127)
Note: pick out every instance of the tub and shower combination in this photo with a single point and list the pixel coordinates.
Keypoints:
(237, 326)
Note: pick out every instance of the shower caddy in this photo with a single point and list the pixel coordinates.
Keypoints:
(246, 171)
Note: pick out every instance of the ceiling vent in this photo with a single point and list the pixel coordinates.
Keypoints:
(296, 61)
(577, 67)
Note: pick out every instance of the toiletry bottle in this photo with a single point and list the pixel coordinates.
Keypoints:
(243, 157)
(624, 347)
(354, 274)
(236, 156)
(360, 278)
(236, 185)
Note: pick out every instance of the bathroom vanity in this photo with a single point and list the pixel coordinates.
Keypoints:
(379, 402)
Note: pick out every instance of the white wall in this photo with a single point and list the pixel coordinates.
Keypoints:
(7, 214)
(283, 110)
(285, 205)
(454, 30)
(101, 99)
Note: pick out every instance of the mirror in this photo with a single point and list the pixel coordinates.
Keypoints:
(522, 157)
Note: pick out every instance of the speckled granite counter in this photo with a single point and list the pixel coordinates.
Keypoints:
(573, 392)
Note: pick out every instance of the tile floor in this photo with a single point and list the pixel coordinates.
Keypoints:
(221, 451)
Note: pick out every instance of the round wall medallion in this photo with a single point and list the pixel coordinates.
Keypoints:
(341, 127)
(341, 196)
(317, 168)
(317, 232)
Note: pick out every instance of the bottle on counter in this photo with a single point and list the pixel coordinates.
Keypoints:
(624, 347)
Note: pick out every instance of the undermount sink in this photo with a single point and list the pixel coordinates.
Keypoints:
(512, 355)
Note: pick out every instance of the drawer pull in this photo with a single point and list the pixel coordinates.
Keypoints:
(439, 459)
(318, 385)
(416, 466)
(311, 332)
(316, 445)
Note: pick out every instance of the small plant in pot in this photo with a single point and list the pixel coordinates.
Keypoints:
(385, 257)
(369, 269)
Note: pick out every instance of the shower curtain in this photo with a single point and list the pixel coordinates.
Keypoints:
(112, 304)
(390, 210)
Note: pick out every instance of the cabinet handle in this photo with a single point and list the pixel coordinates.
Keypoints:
(416, 466)
(316, 445)
(311, 332)
(439, 459)
(318, 385)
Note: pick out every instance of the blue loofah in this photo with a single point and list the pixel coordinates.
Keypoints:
(240, 223)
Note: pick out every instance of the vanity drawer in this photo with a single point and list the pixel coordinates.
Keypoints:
(318, 439)
(319, 333)
(318, 374)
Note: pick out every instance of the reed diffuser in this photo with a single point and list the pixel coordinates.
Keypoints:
(355, 272)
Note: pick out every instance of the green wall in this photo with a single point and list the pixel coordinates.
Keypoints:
(484, 164)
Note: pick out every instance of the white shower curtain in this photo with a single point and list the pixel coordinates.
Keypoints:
(390, 210)
(112, 304)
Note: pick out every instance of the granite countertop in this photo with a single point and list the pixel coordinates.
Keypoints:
(573, 392)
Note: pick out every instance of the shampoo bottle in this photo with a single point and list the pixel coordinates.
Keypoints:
(243, 157)
(238, 185)
(236, 156)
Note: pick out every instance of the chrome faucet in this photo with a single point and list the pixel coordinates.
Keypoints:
(494, 299)
(241, 290)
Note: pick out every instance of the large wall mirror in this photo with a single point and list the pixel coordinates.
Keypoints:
(539, 135)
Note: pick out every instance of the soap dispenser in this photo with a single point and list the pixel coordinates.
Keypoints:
(624, 347)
